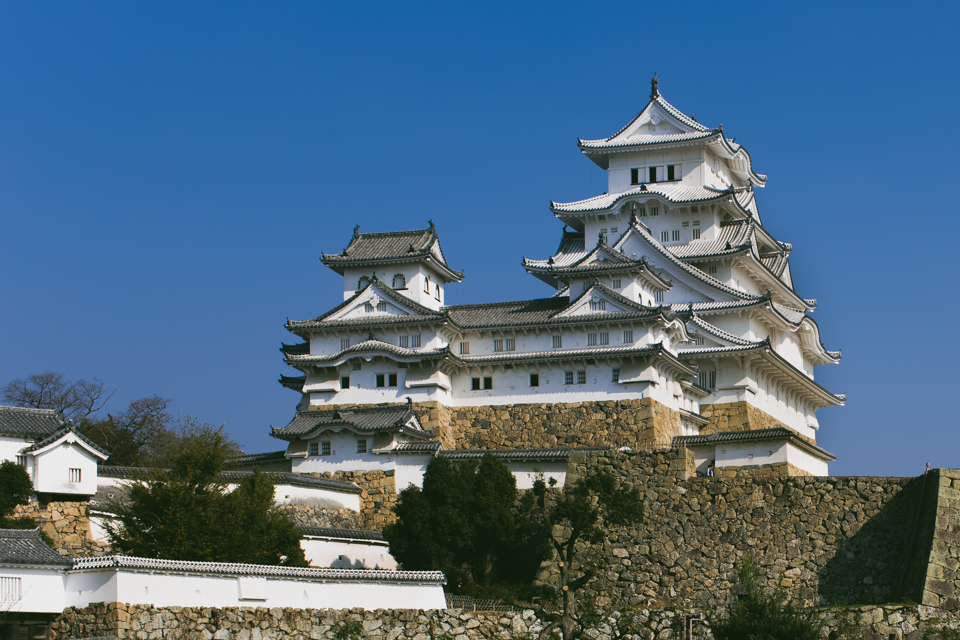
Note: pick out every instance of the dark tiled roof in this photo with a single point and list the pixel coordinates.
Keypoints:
(344, 534)
(223, 568)
(293, 479)
(293, 382)
(778, 433)
(295, 349)
(391, 246)
(24, 546)
(59, 434)
(28, 422)
(428, 446)
(518, 455)
(385, 418)
(253, 458)
(367, 346)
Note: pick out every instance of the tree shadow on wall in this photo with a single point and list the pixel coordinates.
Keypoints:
(884, 560)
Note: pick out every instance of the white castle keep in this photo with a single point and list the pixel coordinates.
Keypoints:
(670, 295)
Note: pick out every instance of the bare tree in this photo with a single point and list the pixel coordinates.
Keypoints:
(133, 436)
(76, 400)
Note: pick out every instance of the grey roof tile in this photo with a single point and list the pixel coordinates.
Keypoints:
(517, 455)
(59, 434)
(29, 422)
(253, 458)
(369, 419)
(231, 569)
(423, 446)
(343, 534)
(293, 479)
(390, 246)
(778, 433)
(25, 546)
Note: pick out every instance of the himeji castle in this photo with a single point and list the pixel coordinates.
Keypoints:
(675, 323)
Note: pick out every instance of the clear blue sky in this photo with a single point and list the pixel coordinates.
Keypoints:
(171, 172)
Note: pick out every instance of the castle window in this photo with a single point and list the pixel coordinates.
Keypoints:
(314, 448)
(367, 307)
(475, 384)
(511, 344)
(581, 377)
(613, 229)
(652, 173)
(381, 306)
(345, 382)
(628, 337)
(604, 338)
(22, 460)
(557, 342)
(438, 292)
(464, 348)
(616, 284)
(707, 379)
(488, 383)
(568, 377)
(74, 475)
(616, 375)
(404, 341)
(325, 448)
(534, 379)
(685, 224)
(344, 343)
(591, 339)
(361, 446)
(598, 305)
(658, 297)
(664, 236)
(676, 235)
(426, 284)
(498, 345)
(415, 341)
(386, 379)
(635, 176)
(363, 282)
(356, 364)
(673, 172)
(654, 211)
(712, 269)
(642, 212)
(399, 281)
(696, 233)
(11, 589)
(697, 340)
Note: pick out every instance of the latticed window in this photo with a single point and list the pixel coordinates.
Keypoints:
(664, 236)
(74, 475)
(381, 306)
(367, 307)
(581, 377)
(498, 345)
(511, 344)
(616, 375)
(464, 348)
(604, 338)
(628, 337)
(557, 342)
(616, 284)
(314, 448)
(658, 297)
(598, 305)
(344, 343)
(404, 341)
(415, 341)
(675, 235)
(568, 377)
(361, 446)
(708, 379)
(591, 339)
(356, 364)
(10, 589)
(325, 448)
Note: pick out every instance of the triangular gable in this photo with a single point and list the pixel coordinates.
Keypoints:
(637, 243)
(653, 120)
(374, 294)
(597, 300)
(67, 436)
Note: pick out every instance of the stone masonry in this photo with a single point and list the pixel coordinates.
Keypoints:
(141, 622)
(739, 416)
(941, 587)
(67, 524)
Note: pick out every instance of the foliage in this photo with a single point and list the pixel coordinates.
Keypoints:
(185, 513)
(574, 522)
(15, 487)
(465, 523)
(757, 615)
(74, 399)
(347, 630)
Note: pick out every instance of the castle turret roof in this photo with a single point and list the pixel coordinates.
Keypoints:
(392, 247)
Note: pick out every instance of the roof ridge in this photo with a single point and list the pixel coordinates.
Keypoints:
(37, 410)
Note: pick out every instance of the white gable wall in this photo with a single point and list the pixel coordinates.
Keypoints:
(52, 467)
(10, 447)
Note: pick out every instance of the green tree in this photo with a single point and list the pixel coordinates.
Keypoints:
(15, 487)
(186, 513)
(575, 521)
(465, 523)
(756, 615)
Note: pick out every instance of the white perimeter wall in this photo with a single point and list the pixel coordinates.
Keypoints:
(10, 447)
(41, 590)
(185, 590)
(343, 554)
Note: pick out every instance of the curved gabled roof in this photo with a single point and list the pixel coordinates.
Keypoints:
(368, 347)
(690, 132)
(392, 247)
(29, 422)
(673, 192)
(359, 419)
(603, 259)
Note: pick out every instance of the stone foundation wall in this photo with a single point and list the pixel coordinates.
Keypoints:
(827, 540)
(773, 470)
(129, 622)
(67, 524)
(739, 416)
(316, 516)
(941, 587)
(378, 498)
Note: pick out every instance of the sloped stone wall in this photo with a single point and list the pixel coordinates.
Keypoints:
(941, 587)
(378, 498)
(828, 540)
(67, 524)
(739, 416)
(128, 622)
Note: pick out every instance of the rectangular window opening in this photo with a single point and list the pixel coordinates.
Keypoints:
(511, 344)
(676, 235)
(591, 339)
(475, 384)
(581, 377)
(498, 345)
(325, 448)
(654, 211)
(604, 338)
(658, 297)
(628, 337)
(314, 449)
(534, 379)
(568, 377)
(616, 284)
(392, 380)
(74, 475)
(404, 341)
(10, 589)
(464, 348)
(361, 446)
(381, 306)
(696, 233)
(634, 176)
(673, 172)
(712, 269)
(345, 382)
(22, 460)
(664, 236)
(355, 364)
(616, 375)
(415, 341)
(367, 307)
(557, 342)
(381, 380)
(652, 174)
(708, 379)
(488, 383)
(344, 343)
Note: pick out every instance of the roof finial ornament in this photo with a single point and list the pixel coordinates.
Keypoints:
(432, 227)
(370, 337)
(654, 91)
(356, 231)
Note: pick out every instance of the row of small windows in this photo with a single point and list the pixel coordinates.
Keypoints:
(674, 234)
(569, 377)
(399, 282)
(510, 344)
(384, 380)
(668, 173)
(408, 342)
(707, 379)
(323, 448)
(643, 211)
(381, 307)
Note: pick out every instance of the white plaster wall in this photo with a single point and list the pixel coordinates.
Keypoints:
(343, 455)
(409, 469)
(182, 590)
(739, 454)
(41, 590)
(51, 470)
(803, 460)
(354, 554)
(527, 473)
(10, 447)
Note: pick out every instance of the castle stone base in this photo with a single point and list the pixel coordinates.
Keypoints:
(740, 416)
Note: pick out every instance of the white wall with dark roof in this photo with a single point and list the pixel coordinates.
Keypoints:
(37, 590)
(52, 470)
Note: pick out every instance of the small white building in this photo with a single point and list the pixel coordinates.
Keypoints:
(60, 461)
(346, 548)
